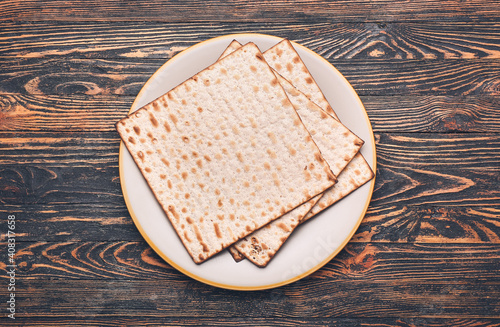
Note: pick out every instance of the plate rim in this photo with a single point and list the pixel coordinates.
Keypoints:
(138, 225)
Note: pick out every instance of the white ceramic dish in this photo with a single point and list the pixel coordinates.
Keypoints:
(312, 244)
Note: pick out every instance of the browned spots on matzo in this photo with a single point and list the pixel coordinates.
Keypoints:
(147, 169)
(318, 158)
(289, 67)
(278, 67)
(200, 109)
(185, 139)
(167, 127)
(286, 103)
(219, 203)
(253, 68)
(185, 157)
(274, 82)
(223, 71)
(165, 161)
(267, 165)
(140, 155)
(309, 80)
(231, 217)
(255, 89)
(206, 82)
(279, 52)
(153, 119)
(184, 210)
(173, 119)
(248, 228)
(163, 176)
(271, 153)
(259, 56)
(283, 227)
(272, 137)
(183, 101)
(357, 172)
(131, 140)
(187, 195)
(174, 213)
(296, 60)
(137, 130)
(217, 230)
(307, 175)
(217, 191)
(239, 156)
(184, 175)
(207, 158)
(169, 184)
(199, 163)
(221, 217)
(187, 237)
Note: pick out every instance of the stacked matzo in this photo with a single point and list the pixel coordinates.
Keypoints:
(225, 153)
(338, 146)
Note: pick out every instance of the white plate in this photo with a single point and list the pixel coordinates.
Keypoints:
(313, 244)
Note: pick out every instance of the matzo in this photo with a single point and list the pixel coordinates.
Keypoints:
(338, 146)
(201, 145)
(285, 60)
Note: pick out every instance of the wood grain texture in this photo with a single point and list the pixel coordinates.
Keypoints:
(99, 320)
(411, 280)
(412, 169)
(430, 223)
(126, 76)
(110, 221)
(261, 11)
(371, 262)
(393, 114)
(390, 41)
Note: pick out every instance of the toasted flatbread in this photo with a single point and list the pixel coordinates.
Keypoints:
(338, 146)
(284, 59)
(217, 146)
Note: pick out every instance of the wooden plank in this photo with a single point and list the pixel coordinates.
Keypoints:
(253, 11)
(391, 280)
(253, 321)
(429, 223)
(126, 77)
(391, 41)
(413, 169)
(394, 114)
(105, 221)
(372, 262)
(408, 222)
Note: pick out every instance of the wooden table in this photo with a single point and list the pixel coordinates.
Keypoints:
(428, 250)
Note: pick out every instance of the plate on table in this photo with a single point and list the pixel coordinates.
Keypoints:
(312, 244)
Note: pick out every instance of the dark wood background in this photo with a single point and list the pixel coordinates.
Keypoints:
(428, 250)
